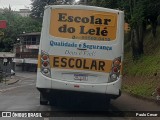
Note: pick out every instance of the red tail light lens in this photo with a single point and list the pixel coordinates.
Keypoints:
(44, 57)
(115, 69)
(45, 64)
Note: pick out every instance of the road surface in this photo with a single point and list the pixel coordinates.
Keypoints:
(23, 96)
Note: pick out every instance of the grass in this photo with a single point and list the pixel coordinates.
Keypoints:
(142, 77)
(142, 86)
(145, 66)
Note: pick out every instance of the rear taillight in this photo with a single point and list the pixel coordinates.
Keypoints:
(45, 64)
(117, 62)
(115, 71)
(45, 57)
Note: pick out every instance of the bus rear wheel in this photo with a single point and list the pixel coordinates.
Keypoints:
(107, 102)
(43, 100)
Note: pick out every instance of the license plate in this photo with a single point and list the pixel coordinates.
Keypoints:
(81, 77)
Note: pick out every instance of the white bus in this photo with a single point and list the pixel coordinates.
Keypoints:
(81, 51)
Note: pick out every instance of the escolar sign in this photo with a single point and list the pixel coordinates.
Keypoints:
(83, 24)
(81, 63)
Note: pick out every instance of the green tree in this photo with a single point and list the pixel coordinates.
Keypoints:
(138, 13)
(16, 25)
(104, 3)
(152, 13)
(10, 32)
(38, 6)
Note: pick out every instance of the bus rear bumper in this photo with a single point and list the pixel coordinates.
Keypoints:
(51, 94)
(48, 84)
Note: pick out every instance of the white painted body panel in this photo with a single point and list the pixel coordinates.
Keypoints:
(103, 88)
(62, 79)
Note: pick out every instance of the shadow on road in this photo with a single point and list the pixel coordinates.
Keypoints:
(87, 106)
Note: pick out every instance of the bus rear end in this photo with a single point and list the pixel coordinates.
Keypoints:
(81, 50)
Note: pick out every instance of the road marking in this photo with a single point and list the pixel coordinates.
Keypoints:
(11, 88)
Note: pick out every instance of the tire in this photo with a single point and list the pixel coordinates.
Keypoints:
(108, 100)
(107, 103)
(43, 100)
(53, 100)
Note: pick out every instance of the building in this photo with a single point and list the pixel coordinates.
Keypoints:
(6, 61)
(24, 12)
(21, 12)
(26, 51)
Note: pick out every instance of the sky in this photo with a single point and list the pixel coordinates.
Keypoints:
(15, 4)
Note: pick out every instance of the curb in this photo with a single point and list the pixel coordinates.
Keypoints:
(143, 98)
(13, 82)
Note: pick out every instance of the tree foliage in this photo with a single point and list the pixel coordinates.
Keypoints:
(105, 3)
(16, 25)
(38, 6)
(139, 14)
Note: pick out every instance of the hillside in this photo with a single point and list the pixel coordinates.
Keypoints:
(142, 77)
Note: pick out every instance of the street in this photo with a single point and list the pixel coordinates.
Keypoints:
(23, 96)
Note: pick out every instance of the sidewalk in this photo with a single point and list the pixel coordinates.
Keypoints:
(9, 81)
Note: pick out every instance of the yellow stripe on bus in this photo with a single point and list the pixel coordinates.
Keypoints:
(76, 63)
(83, 24)
(65, 62)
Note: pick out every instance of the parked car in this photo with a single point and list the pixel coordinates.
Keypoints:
(12, 72)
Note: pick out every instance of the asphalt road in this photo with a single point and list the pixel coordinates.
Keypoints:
(23, 96)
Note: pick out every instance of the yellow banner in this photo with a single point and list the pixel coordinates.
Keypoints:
(83, 24)
(76, 63)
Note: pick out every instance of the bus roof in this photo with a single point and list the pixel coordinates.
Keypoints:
(83, 7)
